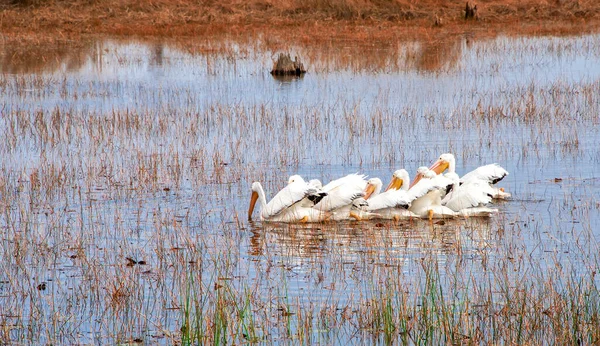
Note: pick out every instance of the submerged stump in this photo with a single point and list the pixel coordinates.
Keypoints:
(470, 10)
(285, 66)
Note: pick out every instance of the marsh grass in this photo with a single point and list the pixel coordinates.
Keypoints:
(439, 305)
(294, 19)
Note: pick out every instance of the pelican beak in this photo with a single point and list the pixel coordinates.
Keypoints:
(439, 166)
(418, 177)
(253, 200)
(369, 190)
(395, 183)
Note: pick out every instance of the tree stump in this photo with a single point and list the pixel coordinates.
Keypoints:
(285, 66)
(470, 11)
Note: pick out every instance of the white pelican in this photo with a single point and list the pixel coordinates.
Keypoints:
(284, 207)
(428, 201)
(340, 194)
(391, 204)
(470, 198)
(491, 174)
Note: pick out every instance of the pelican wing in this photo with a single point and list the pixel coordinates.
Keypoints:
(389, 199)
(360, 203)
(341, 192)
(424, 186)
(312, 198)
(354, 179)
(468, 195)
(287, 197)
(491, 173)
(316, 197)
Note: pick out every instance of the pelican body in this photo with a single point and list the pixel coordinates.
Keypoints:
(490, 174)
(427, 192)
(285, 206)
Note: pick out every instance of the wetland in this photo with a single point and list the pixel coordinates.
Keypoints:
(125, 175)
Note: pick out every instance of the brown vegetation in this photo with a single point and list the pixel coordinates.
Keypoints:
(316, 19)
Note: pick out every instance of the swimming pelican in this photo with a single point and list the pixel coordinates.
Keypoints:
(340, 195)
(491, 174)
(470, 198)
(428, 204)
(284, 207)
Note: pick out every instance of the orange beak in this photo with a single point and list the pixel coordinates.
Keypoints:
(369, 190)
(418, 177)
(253, 200)
(439, 166)
(395, 183)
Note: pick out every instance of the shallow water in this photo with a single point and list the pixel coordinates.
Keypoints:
(147, 151)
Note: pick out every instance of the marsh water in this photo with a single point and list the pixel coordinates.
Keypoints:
(126, 171)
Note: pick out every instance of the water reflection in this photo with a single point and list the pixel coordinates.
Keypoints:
(352, 240)
(287, 79)
(157, 53)
(27, 57)
(388, 57)
(439, 55)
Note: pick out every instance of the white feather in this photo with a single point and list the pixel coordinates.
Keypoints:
(341, 192)
(491, 173)
(474, 193)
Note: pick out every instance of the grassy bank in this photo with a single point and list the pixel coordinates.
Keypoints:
(314, 20)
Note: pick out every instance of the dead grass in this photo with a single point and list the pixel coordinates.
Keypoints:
(312, 19)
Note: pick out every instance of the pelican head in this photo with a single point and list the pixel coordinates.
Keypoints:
(428, 173)
(256, 187)
(422, 172)
(399, 180)
(373, 187)
(294, 178)
(316, 183)
(445, 161)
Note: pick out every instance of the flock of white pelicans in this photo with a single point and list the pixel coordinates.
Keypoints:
(431, 195)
